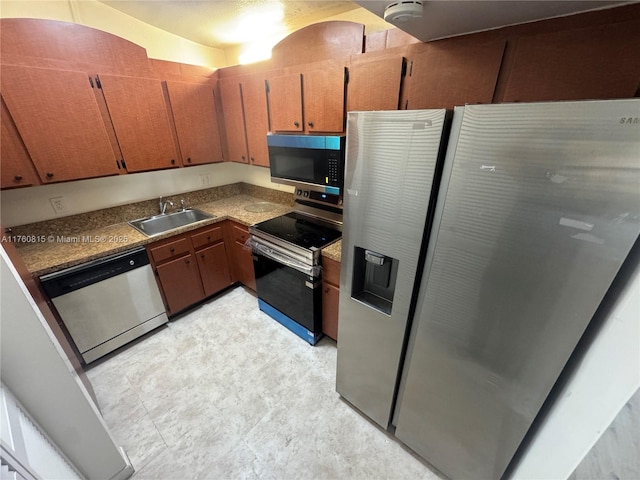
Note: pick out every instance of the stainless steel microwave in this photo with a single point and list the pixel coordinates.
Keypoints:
(315, 161)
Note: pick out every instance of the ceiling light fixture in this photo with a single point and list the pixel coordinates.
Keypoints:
(403, 11)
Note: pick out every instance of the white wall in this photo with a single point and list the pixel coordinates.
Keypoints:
(91, 13)
(32, 204)
(35, 369)
(603, 383)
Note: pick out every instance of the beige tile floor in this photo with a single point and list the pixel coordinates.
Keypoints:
(225, 392)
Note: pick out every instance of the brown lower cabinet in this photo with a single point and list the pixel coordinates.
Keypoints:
(330, 297)
(240, 255)
(192, 266)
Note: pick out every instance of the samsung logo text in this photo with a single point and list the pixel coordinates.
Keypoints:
(630, 120)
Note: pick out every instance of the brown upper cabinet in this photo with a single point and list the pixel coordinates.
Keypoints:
(308, 100)
(194, 114)
(59, 120)
(140, 119)
(445, 74)
(244, 109)
(17, 169)
(285, 103)
(375, 83)
(233, 114)
(256, 118)
(581, 64)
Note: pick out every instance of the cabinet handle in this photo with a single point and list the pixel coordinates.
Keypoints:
(296, 124)
(17, 178)
(186, 261)
(253, 160)
(188, 159)
(202, 255)
(243, 158)
(326, 290)
(173, 161)
(49, 175)
(310, 124)
(172, 249)
(209, 237)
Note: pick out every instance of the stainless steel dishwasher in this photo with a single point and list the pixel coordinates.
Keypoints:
(107, 302)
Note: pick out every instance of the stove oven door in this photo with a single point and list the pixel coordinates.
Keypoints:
(289, 291)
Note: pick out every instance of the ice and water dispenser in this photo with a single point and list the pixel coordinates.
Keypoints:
(374, 279)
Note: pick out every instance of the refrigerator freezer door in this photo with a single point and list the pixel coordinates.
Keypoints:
(541, 210)
(391, 160)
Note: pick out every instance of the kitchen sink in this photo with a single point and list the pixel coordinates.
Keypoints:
(157, 224)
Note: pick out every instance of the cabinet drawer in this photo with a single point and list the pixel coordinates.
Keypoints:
(169, 250)
(239, 234)
(330, 271)
(207, 237)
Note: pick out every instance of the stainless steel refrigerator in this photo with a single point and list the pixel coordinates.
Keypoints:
(453, 330)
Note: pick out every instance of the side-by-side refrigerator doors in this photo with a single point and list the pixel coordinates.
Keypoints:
(391, 160)
(539, 207)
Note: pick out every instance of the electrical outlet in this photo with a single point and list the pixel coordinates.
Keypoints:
(58, 204)
(205, 180)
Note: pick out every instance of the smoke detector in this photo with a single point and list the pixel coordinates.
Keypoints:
(403, 11)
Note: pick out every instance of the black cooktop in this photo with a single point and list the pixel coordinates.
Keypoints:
(299, 229)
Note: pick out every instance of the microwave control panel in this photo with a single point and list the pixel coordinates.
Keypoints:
(333, 168)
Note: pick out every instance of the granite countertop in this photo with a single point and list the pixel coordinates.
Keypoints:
(53, 251)
(333, 251)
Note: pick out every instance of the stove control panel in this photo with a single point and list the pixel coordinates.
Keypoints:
(320, 197)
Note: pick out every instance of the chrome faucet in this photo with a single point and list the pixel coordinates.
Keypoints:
(163, 205)
(182, 204)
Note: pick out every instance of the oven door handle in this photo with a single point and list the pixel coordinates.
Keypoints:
(261, 249)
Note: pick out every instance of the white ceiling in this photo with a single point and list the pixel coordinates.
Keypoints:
(447, 18)
(231, 23)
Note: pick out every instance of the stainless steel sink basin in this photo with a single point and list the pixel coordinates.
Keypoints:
(158, 224)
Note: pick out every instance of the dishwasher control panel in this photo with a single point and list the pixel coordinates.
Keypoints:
(74, 278)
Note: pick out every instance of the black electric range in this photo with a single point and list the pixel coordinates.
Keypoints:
(287, 266)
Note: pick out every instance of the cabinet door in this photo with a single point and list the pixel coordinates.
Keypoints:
(444, 76)
(324, 100)
(194, 115)
(138, 111)
(285, 103)
(254, 99)
(244, 266)
(576, 65)
(180, 283)
(16, 169)
(59, 121)
(375, 84)
(231, 97)
(330, 307)
(214, 269)
(242, 260)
